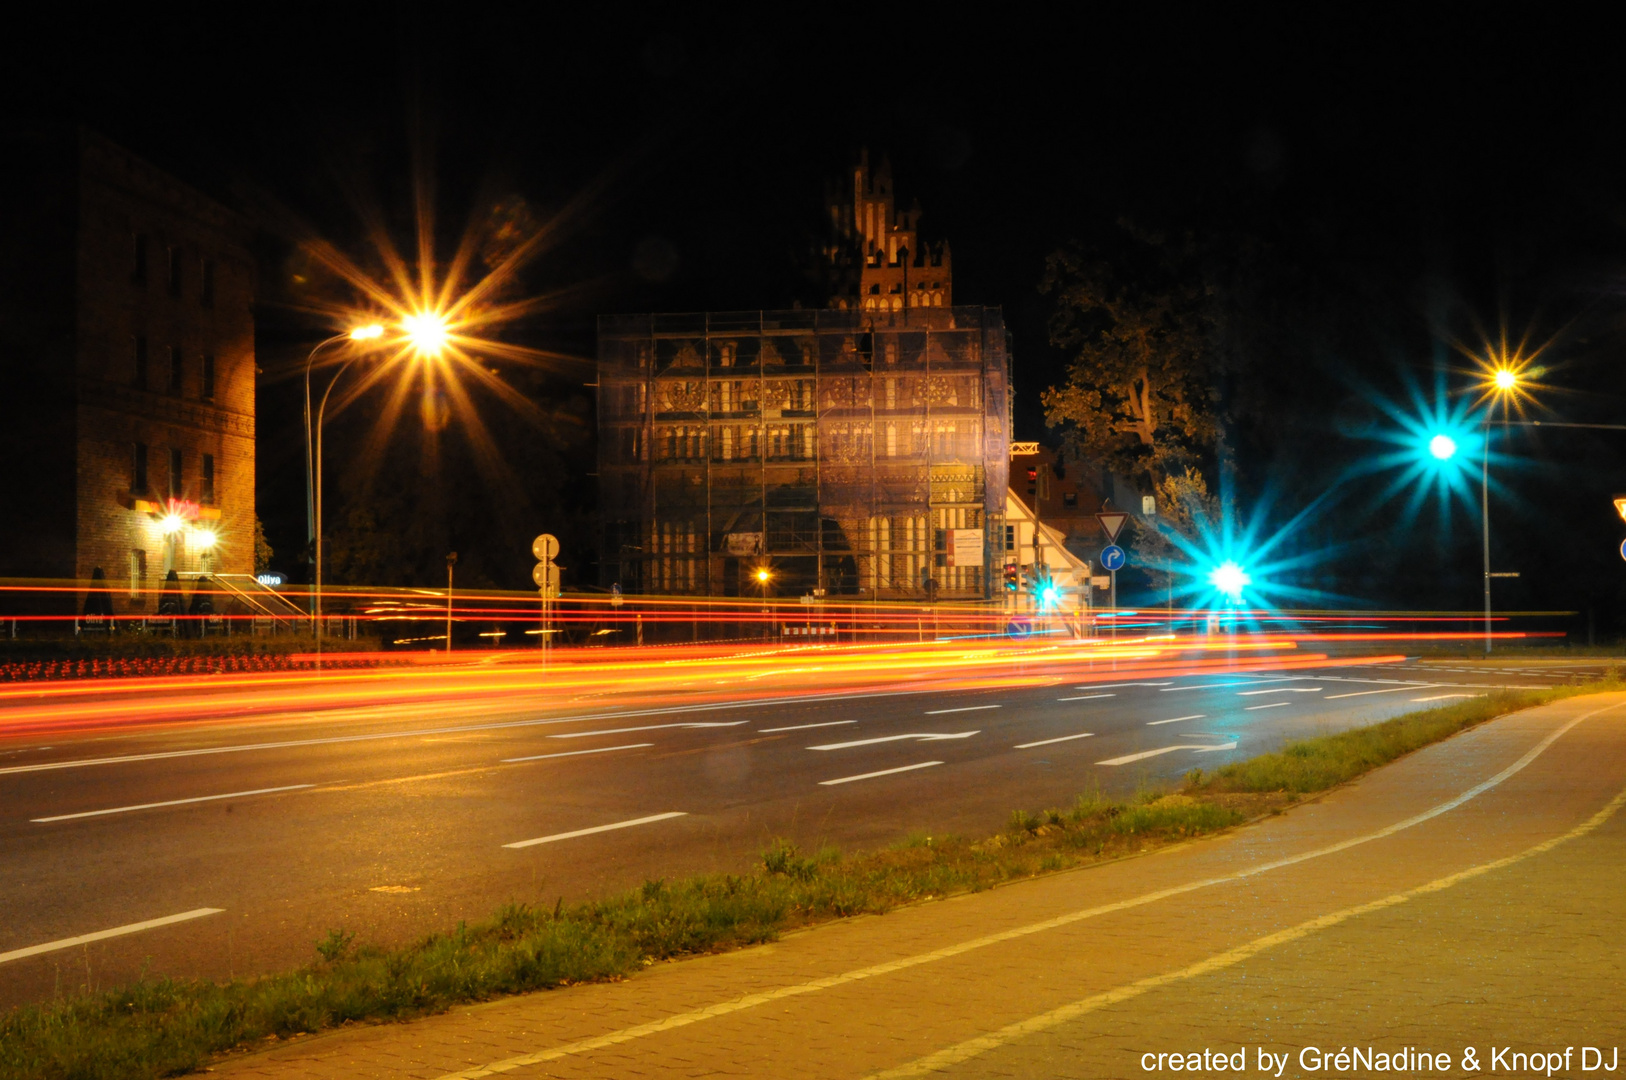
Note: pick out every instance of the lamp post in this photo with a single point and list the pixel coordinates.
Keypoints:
(451, 561)
(1502, 382)
(763, 576)
(310, 456)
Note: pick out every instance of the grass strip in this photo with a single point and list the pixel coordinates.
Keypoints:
(164, 1027)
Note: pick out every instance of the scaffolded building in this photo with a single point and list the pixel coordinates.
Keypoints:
(841, 453)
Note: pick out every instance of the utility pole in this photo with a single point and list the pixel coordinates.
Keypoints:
(451, 561)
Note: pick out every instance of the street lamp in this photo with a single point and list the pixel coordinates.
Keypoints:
(1502, 383)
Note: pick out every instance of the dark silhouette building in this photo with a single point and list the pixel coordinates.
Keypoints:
(127, 350)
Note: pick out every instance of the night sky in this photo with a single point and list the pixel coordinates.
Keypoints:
(1403, 186)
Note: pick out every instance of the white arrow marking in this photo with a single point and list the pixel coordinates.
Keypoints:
(1127, 758)
(922, 737)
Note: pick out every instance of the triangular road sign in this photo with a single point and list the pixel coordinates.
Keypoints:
(1112, 522)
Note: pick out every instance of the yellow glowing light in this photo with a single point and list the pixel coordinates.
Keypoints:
(205, 539)
(171, 523)
(764, 575)
(367, 332)
(425, 332)
(1506, 379)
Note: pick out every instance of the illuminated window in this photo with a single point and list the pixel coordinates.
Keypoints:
(208, 392)
(138, 470)
(174, 472)
(207, 492)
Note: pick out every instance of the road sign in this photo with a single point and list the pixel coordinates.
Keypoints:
(1113, 557)
(1112, 521)
(545, 547)
(1623, 549)
(546, 576)
(615, 595)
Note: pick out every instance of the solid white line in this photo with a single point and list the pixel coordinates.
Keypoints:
(1273, 705)
(1086, 697)
(1281, 690)
(1174, 720)
(804, 727)
(595, 829)
(1112, 685)
(577, 753)
(171, 802)
(1144, 754)
(102, 935)
(883, 772)
(650, 727)
(715, 1010)
(968, 708)
(1047, 742)
(451, 730)
(1363, 693)
(1204, 686)
(1441, 697)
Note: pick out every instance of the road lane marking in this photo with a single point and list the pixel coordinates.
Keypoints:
(170, 802)
(577, 753)
(1281, 690)
(751, 1001)
(1363, 693)
(501, 725)
(1204, 686)
(650, 727)
(968, 708)
(1174, 720)
(1113, 685)
(918, 736)
(1442, 697)
(1047, 742)
(883, 772)
(804, 727)
(1272, 705)
(1086, 697)
(1144, 754)
(981, 1044)
(103, 935)
(596, 829)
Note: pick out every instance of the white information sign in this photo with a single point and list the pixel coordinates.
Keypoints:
(965, 547)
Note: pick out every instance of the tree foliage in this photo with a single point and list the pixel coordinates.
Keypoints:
(1140, 323)
(1185, 507)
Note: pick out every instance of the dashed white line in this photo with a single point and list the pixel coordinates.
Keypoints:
(649, 727)
(103, 935)
(967, 708)
(1204, 686)
(1127, 758)
(1047, 742)
(1086, 697)
(1272, 705)
(804, 727)
(577, 753)
(883, 772)
(1282, 690)
(170, 802)
(1174, 720)
(1114, 685)
(595, 829)
(918, 736)
(1363, 693)
(1442, 697)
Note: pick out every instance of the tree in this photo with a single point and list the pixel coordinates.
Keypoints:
(262, 548)
(1184, 508)
(1141, 394)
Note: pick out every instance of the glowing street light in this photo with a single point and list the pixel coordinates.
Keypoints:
(1501, 386)
(206, 539)
(368, 332)
(1443, 447)
(426, 332)
(171, 523)
(1229, 580)
(1505, 379)
(764, 576)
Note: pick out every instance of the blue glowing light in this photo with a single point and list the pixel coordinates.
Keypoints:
(1229, 580)
(1442, 447)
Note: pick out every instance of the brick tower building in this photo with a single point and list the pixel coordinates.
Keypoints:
(127, 353)
(880, 262)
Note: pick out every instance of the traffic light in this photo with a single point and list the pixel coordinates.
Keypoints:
(1013, 577)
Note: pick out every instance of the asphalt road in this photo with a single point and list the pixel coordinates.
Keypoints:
(268, 826)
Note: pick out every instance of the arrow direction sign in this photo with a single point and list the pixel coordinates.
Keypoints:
(1144, 754)
(919, 737)
(1112, 522)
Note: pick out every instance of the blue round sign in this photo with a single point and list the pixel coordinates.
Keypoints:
(1623, 549)
(1113, 557)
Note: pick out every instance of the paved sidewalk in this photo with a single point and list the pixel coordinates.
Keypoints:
(1264, 935)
